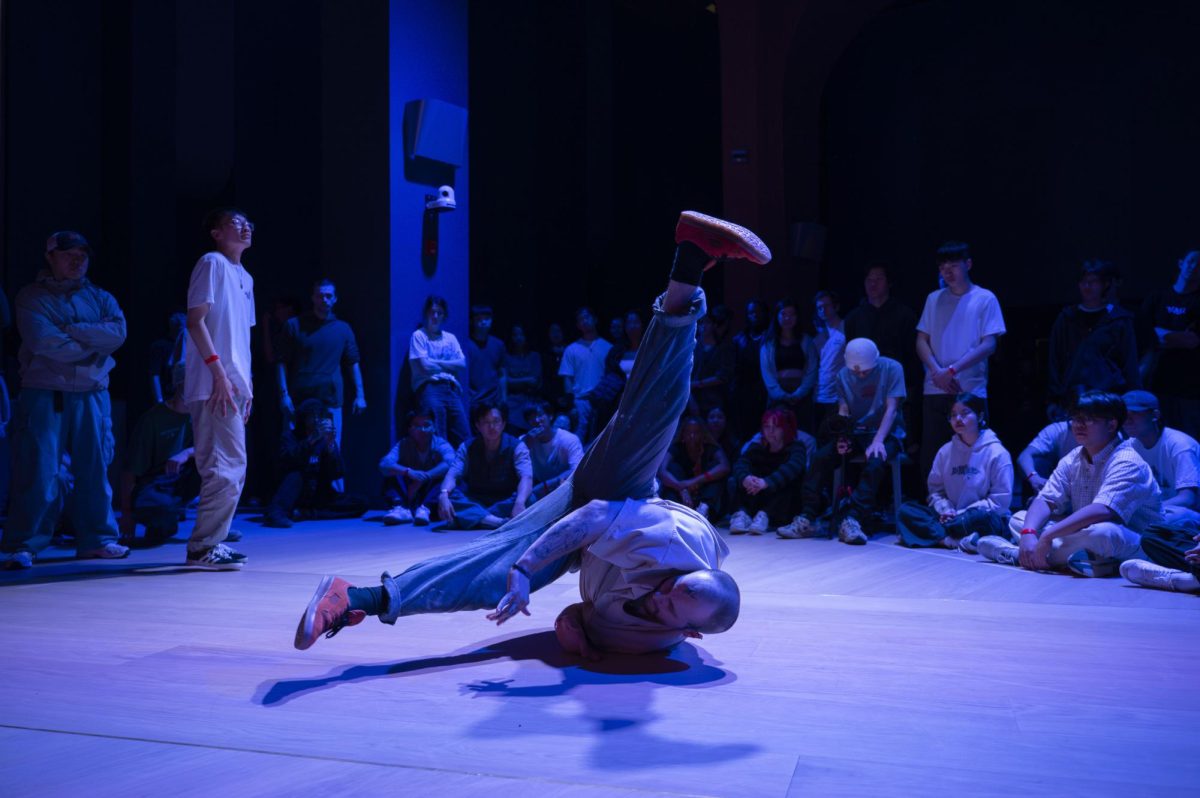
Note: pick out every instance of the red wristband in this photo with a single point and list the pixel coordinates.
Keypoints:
(1028, 531)
(208, 361)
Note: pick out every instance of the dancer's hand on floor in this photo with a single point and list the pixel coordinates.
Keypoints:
(515, 600)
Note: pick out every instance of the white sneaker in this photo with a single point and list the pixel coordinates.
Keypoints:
(969, 544)
(1159, 577)
(219, 558)
(739, 523)
(397, 515)
(801, 527)
(997, 549)
(850, 531)
(109, 551)
(421, 516)
(702, 508)
(759, 524)
(18, 560)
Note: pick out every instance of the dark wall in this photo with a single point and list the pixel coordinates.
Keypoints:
(1041, 132)
(593, 125)
(129, 124)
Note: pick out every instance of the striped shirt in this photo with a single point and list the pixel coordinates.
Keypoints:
(1117, 477)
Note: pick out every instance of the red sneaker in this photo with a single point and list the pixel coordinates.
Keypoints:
(720, 239)
(327, 613)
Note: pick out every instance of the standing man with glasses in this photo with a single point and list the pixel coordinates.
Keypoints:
(218, 387)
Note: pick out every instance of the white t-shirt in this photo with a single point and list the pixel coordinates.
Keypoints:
(649, 540)
(559, 454)
(229, 290)
(1175, 461)
(584, 362)
(955, 325)
(445, 348)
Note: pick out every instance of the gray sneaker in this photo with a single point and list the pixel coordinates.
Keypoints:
(1159, 577)
(397, 515)
(739, 523)
(219, 558)
(997, 549)
(759, 524)
(970, 544)
(801, 527)
(850, 531)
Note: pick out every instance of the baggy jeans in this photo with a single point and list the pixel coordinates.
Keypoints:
(620, 464)
(47, 424)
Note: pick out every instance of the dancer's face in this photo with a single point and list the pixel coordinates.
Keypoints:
(673, 605)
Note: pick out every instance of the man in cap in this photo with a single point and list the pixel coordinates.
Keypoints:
(1173, 456)
(69, 330)
(869, 421)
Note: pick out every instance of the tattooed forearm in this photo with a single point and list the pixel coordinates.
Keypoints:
(576, 531)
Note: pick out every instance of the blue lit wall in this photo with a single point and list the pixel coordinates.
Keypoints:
(427, 60)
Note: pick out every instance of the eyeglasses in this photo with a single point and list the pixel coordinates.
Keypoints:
(240, 224)
(963, 415)
(1083, 421)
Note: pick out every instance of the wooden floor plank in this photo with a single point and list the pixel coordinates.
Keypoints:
(869, 670)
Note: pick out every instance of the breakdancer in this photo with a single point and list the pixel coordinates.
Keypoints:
(649, 568)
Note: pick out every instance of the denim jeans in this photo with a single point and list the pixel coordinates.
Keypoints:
(445, 400)
(620, 464)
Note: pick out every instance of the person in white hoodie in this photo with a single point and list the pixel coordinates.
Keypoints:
(970, 485)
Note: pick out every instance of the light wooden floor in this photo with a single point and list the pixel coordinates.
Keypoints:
(853, 671)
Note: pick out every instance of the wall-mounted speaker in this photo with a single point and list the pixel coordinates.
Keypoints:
(436, 131)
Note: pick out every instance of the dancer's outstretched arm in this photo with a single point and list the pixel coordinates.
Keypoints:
(573, 532)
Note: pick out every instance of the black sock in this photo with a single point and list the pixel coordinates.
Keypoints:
(371, 600)
(689, 263)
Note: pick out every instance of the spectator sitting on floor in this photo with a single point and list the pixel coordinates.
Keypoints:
(870, 421)
(1173, 558)
(693, 472)
(1173, 456)
(719, 430)
(496, 471)
(160, 476)
(1089, 515)
(554, 452)
(767, 474)
(1038, 460)
(413, 468)
(970, 486)
(311, 463)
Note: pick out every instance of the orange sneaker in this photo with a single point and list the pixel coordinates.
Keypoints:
(328, 612)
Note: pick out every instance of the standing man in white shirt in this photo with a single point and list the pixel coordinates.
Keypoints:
(582, 367)
(218, 387)
(956, 335)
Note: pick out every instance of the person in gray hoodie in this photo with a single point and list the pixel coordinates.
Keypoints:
(69, 330)
(970, 485)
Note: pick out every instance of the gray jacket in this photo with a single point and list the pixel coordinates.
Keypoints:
(69, 329)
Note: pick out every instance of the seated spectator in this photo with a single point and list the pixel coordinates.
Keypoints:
(311, 463)
(1089, 515)
(693, 472)
(766, 475)
(554, 452)
(712, 368)
(602, 400)
(495, 470)
(722, 434)
(789, 361)
(552, 361)
(634, 329)
(870, 422)
(830, 343)
(1093, 345)
(1173, 558)
(970, 486)
(165, 355)
(522, 377)
(1038, 460)
(1173, 456)
(413, 468)
(439, 372)
(616, 330)
(160, 475)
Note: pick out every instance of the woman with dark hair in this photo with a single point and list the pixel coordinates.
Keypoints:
(970, 485)
(694, 470)
(767, 476)
(789, 361)
(439, 371)
(717, 423)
